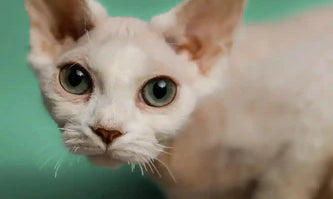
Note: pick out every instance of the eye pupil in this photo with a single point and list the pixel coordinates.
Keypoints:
(75, 77)
(160, 89)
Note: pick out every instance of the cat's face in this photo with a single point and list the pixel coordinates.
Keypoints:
(118, 88)
(131, 81)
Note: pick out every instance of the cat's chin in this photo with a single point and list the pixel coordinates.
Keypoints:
(105, 161)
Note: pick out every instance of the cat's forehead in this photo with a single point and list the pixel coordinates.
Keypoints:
(119, 59)
(129, 46)
(124, 28)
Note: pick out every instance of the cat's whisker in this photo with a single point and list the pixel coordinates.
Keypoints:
(74, 149)
(153, 165)
(65, 129)
(132, 166)
(58, 165)
(162, 151)
(68, 130)
(150, 167)
(142, 172)
(144, 166)
(164, 147)
(56, 169)
(76, 160)
(45, 163)
(168, 169)
(46, 158)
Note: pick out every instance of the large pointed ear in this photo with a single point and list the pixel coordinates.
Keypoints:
(201, 28)
(57, 24)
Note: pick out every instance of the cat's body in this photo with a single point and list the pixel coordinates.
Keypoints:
(120, 88)
(273, 124)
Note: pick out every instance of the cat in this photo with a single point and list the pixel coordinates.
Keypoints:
(268, 134)
(232, 108)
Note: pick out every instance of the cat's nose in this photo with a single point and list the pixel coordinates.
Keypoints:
(107, 136)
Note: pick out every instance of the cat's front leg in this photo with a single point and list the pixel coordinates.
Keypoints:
(293, 180)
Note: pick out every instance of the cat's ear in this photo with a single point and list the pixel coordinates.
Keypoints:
(57, 24)
(201, 28)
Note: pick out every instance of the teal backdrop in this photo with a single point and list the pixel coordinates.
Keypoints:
(33, 163)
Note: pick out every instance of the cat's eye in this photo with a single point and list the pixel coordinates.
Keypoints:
(75, 79)
(159, 92)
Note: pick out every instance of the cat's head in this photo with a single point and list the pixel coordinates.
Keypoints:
(119, 87)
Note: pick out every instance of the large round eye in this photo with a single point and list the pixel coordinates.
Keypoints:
(159, 91)
(75, 79)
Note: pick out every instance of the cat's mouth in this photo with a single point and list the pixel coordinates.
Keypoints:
(108, 149)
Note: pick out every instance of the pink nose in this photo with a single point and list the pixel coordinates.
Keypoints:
(107, 136)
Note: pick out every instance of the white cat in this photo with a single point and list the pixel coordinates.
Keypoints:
(120, 89)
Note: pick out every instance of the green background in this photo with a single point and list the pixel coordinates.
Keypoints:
(33, 163)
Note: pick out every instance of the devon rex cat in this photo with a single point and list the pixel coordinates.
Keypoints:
(124, 90)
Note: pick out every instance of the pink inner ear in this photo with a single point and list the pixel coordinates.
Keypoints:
(56, 24)
(72, 18)
(207, 28)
